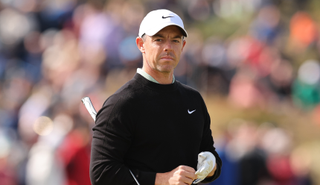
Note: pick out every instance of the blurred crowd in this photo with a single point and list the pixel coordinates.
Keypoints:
(253, 53)
(262, 155)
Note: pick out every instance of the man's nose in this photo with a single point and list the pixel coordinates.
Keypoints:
(167, 46)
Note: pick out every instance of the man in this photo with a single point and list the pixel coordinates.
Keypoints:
(153, 128)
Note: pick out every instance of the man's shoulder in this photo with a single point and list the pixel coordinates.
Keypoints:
(188, 89)
(130, 91)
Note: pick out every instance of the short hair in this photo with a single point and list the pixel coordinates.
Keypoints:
(143, 37)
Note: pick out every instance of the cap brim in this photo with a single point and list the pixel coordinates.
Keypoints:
(156, 29)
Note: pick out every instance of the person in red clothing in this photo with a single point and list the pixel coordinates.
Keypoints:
(74, 153)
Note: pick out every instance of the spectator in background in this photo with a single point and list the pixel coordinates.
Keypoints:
(303, 31)
(306, 91)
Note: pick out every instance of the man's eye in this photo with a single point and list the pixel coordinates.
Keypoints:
(177, 41)
(158, 40)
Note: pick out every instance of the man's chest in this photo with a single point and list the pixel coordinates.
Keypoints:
(167, 119)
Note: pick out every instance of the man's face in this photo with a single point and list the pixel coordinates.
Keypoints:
(162, 51)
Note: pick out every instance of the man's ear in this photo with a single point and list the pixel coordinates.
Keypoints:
(139, 42)
(183, 44)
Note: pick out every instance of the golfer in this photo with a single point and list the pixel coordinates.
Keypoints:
(154, 129)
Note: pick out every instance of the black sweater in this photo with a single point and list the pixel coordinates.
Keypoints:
(148, 128)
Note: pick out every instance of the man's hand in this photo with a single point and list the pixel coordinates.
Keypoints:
(206, 166)
(178, 176)
(213, 171)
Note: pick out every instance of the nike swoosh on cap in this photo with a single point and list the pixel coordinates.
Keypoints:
(164, 17)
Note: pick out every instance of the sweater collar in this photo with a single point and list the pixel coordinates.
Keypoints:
(156, 86)
(149, 77)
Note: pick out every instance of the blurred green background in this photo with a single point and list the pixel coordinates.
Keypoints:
(255, 62)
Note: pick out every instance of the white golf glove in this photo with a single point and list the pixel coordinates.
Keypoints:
(206, 163)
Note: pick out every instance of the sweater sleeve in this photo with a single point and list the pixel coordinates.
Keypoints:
(207, 144)
(112, 137)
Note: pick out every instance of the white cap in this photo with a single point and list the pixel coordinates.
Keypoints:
(156, 20)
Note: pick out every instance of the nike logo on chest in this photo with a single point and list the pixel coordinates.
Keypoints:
(192, 111)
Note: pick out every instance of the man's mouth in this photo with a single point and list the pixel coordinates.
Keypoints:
(167, 58)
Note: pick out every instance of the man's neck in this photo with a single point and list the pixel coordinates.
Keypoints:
(162, 78)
